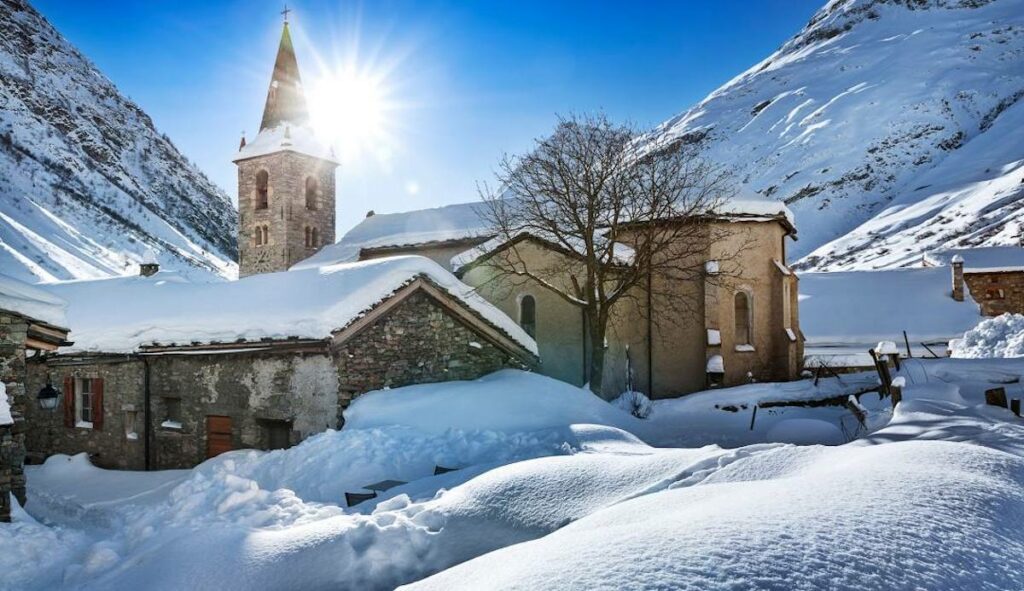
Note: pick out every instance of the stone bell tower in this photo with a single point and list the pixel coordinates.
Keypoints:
(285, 178)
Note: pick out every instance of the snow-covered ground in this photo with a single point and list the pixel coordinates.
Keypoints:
(554, 488)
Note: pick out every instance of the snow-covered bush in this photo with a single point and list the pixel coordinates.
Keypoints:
(1002, 336)
(635, 403)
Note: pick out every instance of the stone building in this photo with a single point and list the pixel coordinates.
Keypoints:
(994, 275)
(746, 326)
(166, 373)
(29, 326)
(286, 188)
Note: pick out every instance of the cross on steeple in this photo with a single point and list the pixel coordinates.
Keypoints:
(285, 12)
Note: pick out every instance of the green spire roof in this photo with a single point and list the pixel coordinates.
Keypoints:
(285, 100)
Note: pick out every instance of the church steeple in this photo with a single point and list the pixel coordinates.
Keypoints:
(286, 101)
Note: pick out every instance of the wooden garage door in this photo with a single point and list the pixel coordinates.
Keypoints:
(218, 435)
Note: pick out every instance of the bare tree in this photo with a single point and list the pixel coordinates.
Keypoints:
(624, 207)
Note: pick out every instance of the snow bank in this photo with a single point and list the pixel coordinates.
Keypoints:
(1002, 336)
(120, 315)
(791, 518)
(508, 401)
(29, 300)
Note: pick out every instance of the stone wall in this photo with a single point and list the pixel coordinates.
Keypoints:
(286, 216)
(13, 331)
(997, 293)
(111, 446)
(416, 342)
(253, 389)
(268, 398)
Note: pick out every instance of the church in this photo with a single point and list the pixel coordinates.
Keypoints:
(164, 373)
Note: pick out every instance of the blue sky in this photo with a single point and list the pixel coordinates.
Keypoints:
(462, 82)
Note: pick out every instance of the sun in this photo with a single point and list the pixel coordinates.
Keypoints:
(351, 109)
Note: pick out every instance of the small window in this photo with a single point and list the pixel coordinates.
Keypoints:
(262, 189)
(261, 235)
(84, 402)
(172, 413)
(312, 192)
(308, 233)
(786, 309)
(315, 240)
(528, 315)
(741, 312)
(130, 431)
(277, 434)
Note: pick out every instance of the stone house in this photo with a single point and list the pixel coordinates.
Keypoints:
(994, 275)
(667, 356)
(166, 373)
(30, 325)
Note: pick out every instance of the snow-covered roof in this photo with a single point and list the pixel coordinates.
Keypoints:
(31, 301)
(621, 253)
(463, 221)
(857, 309)
(757, 209)
(423, 226)
(124, 314)
(981, 259)
(287, 137)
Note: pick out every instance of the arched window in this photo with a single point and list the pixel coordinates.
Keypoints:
(262, 235)
(315, 240)
(258, 235)
(308, 235)
(528, 314)
(312, 189)
(262, 189)
(742, 318)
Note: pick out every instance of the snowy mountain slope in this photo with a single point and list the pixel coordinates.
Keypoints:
(903, 116)
(87, 184)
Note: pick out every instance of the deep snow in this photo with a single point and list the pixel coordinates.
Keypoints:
(929, 498)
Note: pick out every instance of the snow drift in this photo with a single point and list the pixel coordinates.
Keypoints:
(1002, 336)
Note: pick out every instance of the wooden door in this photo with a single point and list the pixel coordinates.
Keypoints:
(218, 435)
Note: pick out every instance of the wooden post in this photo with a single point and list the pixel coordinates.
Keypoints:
(907, 341)
(753, 417)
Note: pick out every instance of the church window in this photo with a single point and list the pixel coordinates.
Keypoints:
(528, 314)
(742, 318)
(262, 189)
(312, 189)
(315, 239)
(262, 235)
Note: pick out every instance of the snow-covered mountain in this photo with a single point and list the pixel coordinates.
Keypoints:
(890, 127)
(87, 184)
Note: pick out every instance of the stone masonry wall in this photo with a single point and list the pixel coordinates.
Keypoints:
(13, 331)
(123, 393)
(251, 389)
(997, 293)
(286, 215)
(416, 342)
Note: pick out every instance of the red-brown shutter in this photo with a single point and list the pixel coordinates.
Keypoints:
(97, 404)
(69, 401)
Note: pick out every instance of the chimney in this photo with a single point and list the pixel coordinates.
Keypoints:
(957, 264)
(148, 266)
